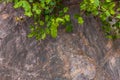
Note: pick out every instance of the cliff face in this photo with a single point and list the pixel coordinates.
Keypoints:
(84, 54)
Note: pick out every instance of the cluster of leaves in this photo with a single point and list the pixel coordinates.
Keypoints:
(48, 15)
(109, 13)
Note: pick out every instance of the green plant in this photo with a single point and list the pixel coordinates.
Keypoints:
(109, 13)
(48, 15)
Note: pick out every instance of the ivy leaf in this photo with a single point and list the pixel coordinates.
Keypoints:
(67, 17)
(69, 27)
(36, 8)
(30, 0)
(53, 32)
(48, 1)
(107, 13)
(80, 20)
(112, 12)
(109, 36)
(41, 23)
(92, 1)
(52, 3)
(118, 9)
(30, 35)
(47, 31)
(96, 2)
(95, 13)
(65, 9)
(43, 36)
(18, 4)
(108, 0)
(26, 5)
(59, 20)
(118, 16)
(29, 14)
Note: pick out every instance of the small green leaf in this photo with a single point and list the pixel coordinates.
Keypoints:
(30, 35)
(92, 1)
(48, 1)
(59, 20)
(47, 31)
(54, 32)
(18, 4)
(52, 3)
(41, 23)
(107, 13)
(112, 12)
(118, 16)
(67, 17)
(43, 36)
(109, 36)
(95, 13)
(80, 20)
(108, 0)
(65, 9)
(29, 14)
(96, 2)
(69, 28)
(30, 0)
(118, 9)
(36, 8)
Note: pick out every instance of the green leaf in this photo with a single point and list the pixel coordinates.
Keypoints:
(118, 16)
(96, 2)
(41, 23)
(65, 9)
(31, 1)
(92, 1)
(107, 13)
(109, 36)
(108, 0)
(67, 17)
(95, 13)
(47, 31)
(29, 14)
(112, 12)
(30, 35)
(18, 4)
(47, 1)
(59, 20)
(69, 27)
(103, 17)
(80, 20)
(43, 36)
(83, 7)
(117, 24)
(52, 3)
(53, 32)
(36, 8)
(26, 6)
(118, 9)
(42, 5)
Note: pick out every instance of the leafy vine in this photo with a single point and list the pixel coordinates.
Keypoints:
(48, 15)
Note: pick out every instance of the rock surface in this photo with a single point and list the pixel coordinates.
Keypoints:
(84, 54)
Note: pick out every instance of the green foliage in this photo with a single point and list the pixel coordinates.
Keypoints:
(109, 13)
(80, 20)
(50, 14)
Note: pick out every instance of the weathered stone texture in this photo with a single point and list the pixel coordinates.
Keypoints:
(84, 54)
